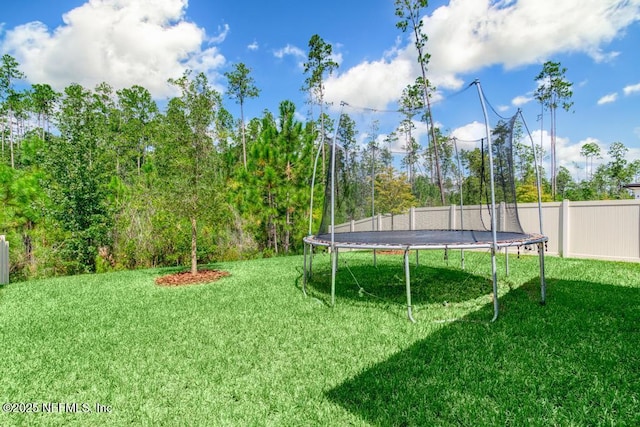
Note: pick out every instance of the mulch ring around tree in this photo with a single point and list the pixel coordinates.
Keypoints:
(186, 278)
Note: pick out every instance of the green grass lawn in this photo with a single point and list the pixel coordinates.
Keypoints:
(252, 350)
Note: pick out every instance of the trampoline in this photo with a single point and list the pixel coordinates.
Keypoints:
(414, 240)
(494, 225)
(424, 239)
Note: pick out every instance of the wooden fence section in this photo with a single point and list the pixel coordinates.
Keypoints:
(604, 229)
(4, 261)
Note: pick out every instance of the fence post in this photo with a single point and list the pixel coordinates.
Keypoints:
(502, 217)
(412, 218)
(565, 226)
(452, 217)
(4, 261)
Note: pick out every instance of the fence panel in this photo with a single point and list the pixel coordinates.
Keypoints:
(604, 230)
(607, 229)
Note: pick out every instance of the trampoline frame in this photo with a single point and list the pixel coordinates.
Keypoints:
(494, 244)
(345, 243)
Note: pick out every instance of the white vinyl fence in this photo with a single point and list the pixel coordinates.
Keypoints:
(4, 261)
(603, 229)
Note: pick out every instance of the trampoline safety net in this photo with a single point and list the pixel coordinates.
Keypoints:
(370, 194)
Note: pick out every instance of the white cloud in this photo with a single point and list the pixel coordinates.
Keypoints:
(369, 84)
(467, 35)
(628, 90)
(521, 100)
(289, 50)
(607, 99)
(599, 56)
(141, 42)
(253, 46)
(469, 135)
(221, 36)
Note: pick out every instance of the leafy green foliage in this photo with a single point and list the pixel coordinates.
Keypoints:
(277, 180)
(393, 193)
(97, 179)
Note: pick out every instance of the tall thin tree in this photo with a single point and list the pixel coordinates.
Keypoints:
(553, 90)
(241, 87)
(409, 12)
(9, 73)
(319, 63)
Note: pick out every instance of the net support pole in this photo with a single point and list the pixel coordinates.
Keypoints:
(460, 182)
(334, 250)
(407, 277)
(541, 245)
(313, 182)
(494, 236)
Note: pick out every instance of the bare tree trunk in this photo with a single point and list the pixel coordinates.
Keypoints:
(244, 141)
(10, 116)
(194, 246)
(28, 243)
(553, 152)
(287, 233)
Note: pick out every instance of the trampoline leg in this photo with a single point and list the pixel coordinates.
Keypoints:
(334, 259)
(543, 284)
(310, 261)
(462, 259)
(304, 271)
(417, 259)
(407, 276)
(495, 284)
(375, 261)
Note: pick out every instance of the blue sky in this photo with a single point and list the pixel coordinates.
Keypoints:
(501, 42)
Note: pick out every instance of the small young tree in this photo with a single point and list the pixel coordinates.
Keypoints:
(186, 157)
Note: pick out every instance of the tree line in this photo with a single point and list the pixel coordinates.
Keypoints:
(96, 179)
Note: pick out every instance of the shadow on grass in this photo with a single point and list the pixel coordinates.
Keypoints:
(358, 279)
(574, 361)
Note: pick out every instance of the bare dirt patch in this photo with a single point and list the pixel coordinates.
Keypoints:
(186, 278)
